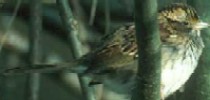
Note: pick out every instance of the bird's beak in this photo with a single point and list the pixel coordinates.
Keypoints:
(200, 25)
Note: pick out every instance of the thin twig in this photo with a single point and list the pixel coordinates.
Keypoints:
(93, 12)
(107, 17)
(71, 27)
(6, 33)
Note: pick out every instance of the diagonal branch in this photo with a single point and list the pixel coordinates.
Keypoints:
(70, 24)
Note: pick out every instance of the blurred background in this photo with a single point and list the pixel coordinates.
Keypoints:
(95, 18)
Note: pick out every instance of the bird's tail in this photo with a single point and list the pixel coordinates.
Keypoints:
(73, 67)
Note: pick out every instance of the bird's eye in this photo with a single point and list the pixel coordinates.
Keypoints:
(185, 23)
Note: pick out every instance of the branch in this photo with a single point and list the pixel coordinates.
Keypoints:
(70, 24)
(34, 39)
(148, 39)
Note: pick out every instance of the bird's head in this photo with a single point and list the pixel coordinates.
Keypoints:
(178, 20)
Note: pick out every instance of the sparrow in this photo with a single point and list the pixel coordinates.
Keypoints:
(114, 62)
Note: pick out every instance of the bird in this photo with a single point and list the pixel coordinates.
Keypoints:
(114, 62)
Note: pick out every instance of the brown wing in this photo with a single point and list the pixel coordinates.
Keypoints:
(118, 50)
(122, 41)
